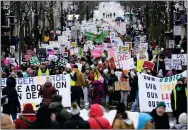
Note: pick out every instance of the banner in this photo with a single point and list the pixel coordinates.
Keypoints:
(119, 58)
(153, 90)
(28, 88)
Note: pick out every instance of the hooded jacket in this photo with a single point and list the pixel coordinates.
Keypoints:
(96, 121)
(160, 122)
(13, 101)
(6, 122)
(99, 92)
(143, 119)
(47, 91)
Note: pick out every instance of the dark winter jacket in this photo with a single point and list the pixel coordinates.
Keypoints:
(13, 101)
(47, 91)
(181, 103)
(76, 122)
(113, 79)
(160, 122)
(45, 125)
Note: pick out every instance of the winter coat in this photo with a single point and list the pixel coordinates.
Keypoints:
(143, 119)
(113, 79)
(134, 87)
(161, 122)
(96, 121)
(28, 117)
(13, 101)
(21, 122)
(6, 122)
(76, 122)
(80, 78)
(120, 123)
(45, 125)
(99, 92)
(181, 102)
(47, 91)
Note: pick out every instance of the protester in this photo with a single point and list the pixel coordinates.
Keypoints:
(145, 121)
(47, 91)
(56, 107)
(6, 122)
(43, 71)
(96, 121)
(160, 117)
(76, 122)
(121, 120)
(12, 107)
(182, 122)
(179, 98)
(44, 120)
(77, 91)
(27, 117)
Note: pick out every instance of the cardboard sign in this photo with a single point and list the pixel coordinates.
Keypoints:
(119, 58)
(128, 64)
(173, 64)
(148, 65)
(124, 48)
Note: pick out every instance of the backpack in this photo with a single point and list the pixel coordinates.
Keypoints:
(93, 91)
(28, 123)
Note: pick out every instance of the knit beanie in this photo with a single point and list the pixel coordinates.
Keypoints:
(183, 118)
(28, 108)
(161, 104)
(75, 109)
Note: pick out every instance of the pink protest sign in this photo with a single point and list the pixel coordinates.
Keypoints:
(27, 57)
(96, 53)
(99, 47)
(6, 62)
(111, 52)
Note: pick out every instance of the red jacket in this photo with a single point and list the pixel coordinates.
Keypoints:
(47, 91)
(20, 124)
(96, 113)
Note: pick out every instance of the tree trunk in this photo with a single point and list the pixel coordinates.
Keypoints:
(21, 42)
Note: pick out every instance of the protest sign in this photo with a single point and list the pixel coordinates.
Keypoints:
(62, 62)
(118, 74)
(182, 57)
(28, 88)
(139, 65)
(79, 66)
(73, 44)
(112, 35)
(119, 58)
(12, 49)
(152, 90)
(177, 30)
(42, 54)
(148, 65)
(34, 60)
(171, 44)
(128, 64)
(124, 48)
(96, 53)
(144, 45)
(52, 58)
(173, 64)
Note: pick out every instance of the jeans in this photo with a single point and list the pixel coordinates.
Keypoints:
(135, 104)
(124, 95)
(85, 90)
(107, 98)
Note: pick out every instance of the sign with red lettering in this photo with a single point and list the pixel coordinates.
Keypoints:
(148, 65)
(119, 58)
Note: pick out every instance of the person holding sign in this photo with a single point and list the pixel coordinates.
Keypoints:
(124, 85)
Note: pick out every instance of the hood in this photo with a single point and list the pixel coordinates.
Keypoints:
(6, 122)
(76, 70)
(143, 118)
(96, 82)
(48, 84)
(11, 82)
(96, 111)
(55, 107)
(28, 108)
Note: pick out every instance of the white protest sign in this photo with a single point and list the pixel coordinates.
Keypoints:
(28, 89)
(79, 66)
(173, 64)
(182, 57)
(171, 44)
(128, 64)
(118, 74)
(12, 49)
(177, 30)
(112, 35)
(144, 45)
(153, 90)
(119, 58)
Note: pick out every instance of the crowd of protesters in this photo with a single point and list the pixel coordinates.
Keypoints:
(95, 84)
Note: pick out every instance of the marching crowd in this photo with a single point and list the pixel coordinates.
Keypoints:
(96, 85)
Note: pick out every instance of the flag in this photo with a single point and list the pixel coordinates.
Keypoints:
(90, 36)
(100, 38)
(80, 52)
